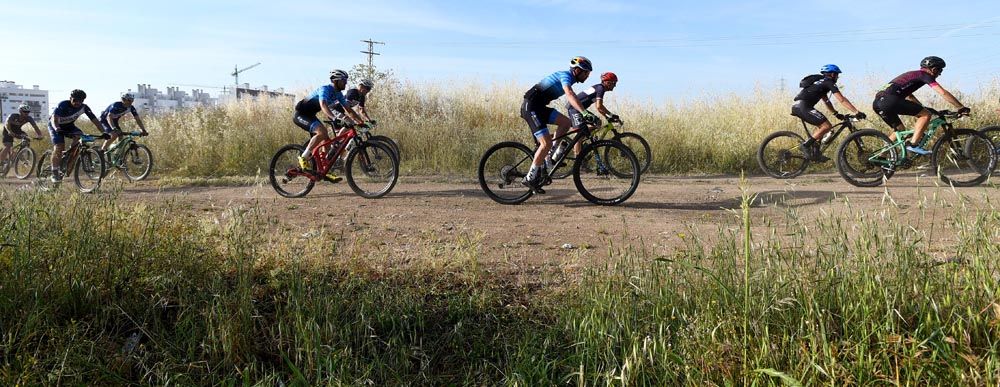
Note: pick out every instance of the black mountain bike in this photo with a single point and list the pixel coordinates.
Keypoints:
(993, 134)
(780, 156)
(21, 159)
(605, 173)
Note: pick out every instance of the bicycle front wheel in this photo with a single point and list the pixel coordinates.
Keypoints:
(993, 134)
(780, 156)
(23, 163)
(286, 176)
(501, 171)
(639, 147)
(89, 170)
(43, 171)
(138, 162)
(866, 158)
(372, 169)
(606, 173)
(963, 158)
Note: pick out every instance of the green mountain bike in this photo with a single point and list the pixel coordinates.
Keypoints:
(132, 158)
(960, 157)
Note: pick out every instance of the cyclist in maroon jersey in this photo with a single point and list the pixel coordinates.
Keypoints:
(896, 98)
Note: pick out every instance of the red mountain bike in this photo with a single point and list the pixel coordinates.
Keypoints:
(371, 168)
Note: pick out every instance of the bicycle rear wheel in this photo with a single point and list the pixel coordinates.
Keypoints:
(387, 141)
(286, 176)
(89, 170)
(137, 162)
(780, 156)
(501, 170)
(23, 162)
(372, 169)
(606, 173)
(964, 158)
(639, 147)
(866, 158)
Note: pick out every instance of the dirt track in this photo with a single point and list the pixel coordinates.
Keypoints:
(531, 236)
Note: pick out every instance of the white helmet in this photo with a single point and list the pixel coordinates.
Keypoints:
(337, 75)
(367, 83)
(24, 108)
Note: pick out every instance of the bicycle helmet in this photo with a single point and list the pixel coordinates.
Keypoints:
(77, 94)
(830, 68)
(609, 77)
(24, 108)
(338, 75)
(367, 83)
(128, 97)
(582, 63)
(932, 62)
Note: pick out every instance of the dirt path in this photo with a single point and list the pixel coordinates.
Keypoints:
(558, 230)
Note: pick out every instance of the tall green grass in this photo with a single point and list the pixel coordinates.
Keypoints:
(97, 291)
(444, 129)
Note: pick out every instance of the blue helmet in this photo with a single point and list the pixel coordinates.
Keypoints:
(830, 68)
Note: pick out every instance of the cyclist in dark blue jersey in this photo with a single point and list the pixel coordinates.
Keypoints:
(536, 112)
(356, 99)
(322, 99)
(592, 96)
(896, 98)
(62, 125)
(815, 88)
(12, 129)
(114, 112)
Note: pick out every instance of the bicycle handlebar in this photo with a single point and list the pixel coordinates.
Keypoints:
(946, 113)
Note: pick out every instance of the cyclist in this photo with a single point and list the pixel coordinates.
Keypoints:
(896, 98)
(62, 124)
(536, 112)
(114, 112)
(817, 87)
(12, 129)
(356, 98)
(592, 96)
(322, 99)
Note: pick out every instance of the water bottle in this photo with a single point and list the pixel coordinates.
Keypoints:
(827, 137)
(560, 149)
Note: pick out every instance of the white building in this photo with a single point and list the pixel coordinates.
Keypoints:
(149, 100)
(246, 92)
(13, 95)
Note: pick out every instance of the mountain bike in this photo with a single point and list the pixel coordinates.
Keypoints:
(21, 159)
(781, 157)
(133, 159)
(82, 160)
(605, 173)
(634, 141)
(993, 134)
(365, 136)
(960, 157)
(372, 168)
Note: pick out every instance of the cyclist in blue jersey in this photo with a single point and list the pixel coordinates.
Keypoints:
(896, 98)
(114, 112)
(536, 112)
(62, 125)
(12, 129)
(322, 99)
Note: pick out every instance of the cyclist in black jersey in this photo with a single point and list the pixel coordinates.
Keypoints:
(817, 87)
(12, 129)
(896, 98)
(591, 96)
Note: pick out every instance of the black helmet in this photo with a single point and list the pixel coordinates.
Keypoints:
(932, 62)
(582, 63)
(77, 94)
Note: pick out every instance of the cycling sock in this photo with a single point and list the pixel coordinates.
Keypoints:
(532, 173)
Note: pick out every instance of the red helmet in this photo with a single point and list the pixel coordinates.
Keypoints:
(609, 77)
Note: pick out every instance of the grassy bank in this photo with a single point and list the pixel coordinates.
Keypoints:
(444, 129)
(94, 290)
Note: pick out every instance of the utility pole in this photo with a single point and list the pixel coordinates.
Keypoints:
(371, 55)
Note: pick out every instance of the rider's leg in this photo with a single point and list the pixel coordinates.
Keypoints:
(822, 130)
(321, 135)
(6, 151)
(923, 118)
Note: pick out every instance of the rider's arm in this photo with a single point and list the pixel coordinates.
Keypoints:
(843, 101)
(829, 105)
(599, 105)
(947, 96)
(138, 120)
(364, 112)
(38, 132)
(91, 116)
(571, 98)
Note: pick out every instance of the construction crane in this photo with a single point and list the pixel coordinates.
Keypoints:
(236, 76)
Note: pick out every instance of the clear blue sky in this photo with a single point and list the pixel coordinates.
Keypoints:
(659, 49)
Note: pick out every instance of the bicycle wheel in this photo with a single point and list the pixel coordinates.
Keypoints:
(963, 158)
(387, 141)
(43, 171)
(137, 162)
(993, 133)
(780, 156)
(501, 170)
(639, 147)
(598, 173)
(866, 158)
(89, 170)
(287, 178)
(372, 169)
(23, 163)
